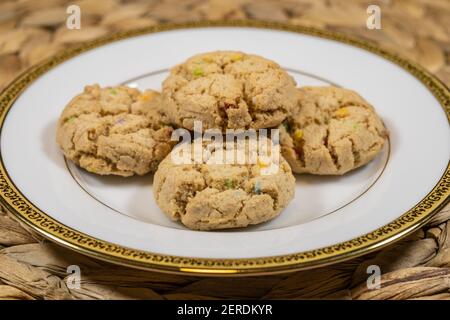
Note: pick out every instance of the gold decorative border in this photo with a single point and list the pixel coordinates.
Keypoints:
(39, 221)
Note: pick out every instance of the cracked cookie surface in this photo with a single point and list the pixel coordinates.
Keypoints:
(115, 130)
(207, 196)
(332, 131)
(228, 89)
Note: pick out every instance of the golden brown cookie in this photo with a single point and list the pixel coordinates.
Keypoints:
(207, 195)
(228, 89)
(115, 130)
(331, 132)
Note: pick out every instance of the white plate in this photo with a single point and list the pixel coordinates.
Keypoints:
(330, 219)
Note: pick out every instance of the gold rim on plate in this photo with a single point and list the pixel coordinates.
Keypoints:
(30, 215)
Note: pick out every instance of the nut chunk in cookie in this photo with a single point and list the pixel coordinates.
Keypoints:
(332, 131)
(211, 195)
(228, 89)
(115, 131)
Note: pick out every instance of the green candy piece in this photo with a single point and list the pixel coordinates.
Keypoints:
(71, 119)
(198, 72)
(113, 91)
(229, 184)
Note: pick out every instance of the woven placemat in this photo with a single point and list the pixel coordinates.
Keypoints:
(417, 267)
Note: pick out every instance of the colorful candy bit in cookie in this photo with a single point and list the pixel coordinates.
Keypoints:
(236, 57)
(113, 91)
(147, 96)
(341, 113)
(120, 121)
(91, 169)
(207, 59)
(267, 165)
(229, 184)
(263, 163)
(198, 72)
(298, 135)
(71, 119)
(257, 187)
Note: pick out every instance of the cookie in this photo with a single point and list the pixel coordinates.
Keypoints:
(331, 132)
(210, 195)
(115, 131)
(228, 89)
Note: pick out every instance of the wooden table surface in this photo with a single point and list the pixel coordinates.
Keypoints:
(417, 267)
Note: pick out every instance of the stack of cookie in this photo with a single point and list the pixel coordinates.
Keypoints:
(122, 131)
